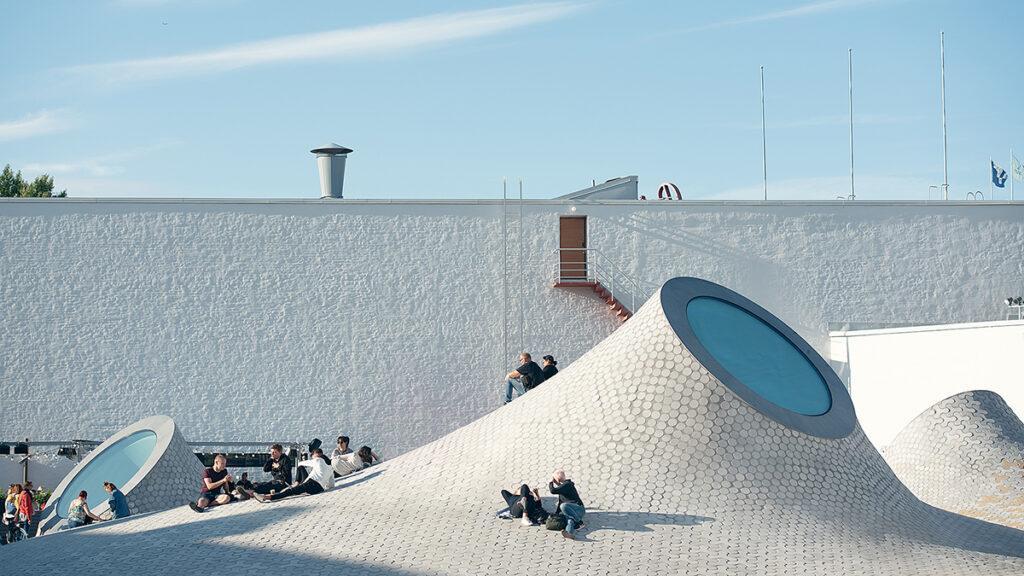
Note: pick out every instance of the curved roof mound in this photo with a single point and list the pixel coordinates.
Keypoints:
(682, 473)
(965, 454)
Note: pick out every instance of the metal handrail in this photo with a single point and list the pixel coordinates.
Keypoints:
(598, 268)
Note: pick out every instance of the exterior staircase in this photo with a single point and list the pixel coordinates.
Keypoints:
(588, 268)
(618, 308)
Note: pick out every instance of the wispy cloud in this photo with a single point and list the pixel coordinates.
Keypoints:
(809, 9)
(380, 39)
(101, 166)
(36, 124)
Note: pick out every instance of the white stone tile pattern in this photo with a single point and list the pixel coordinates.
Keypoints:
(965, 454)
(680, 476)
(174, 478)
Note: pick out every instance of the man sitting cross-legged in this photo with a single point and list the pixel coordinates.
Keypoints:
(216, 489)
(321, 477)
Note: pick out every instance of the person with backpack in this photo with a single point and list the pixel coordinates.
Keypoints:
(569, 503)
(525, 504)
(523, 379)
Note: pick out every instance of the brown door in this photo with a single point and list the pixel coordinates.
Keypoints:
(572, 239)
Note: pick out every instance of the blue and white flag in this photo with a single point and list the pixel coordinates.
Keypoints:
(1018, 170)
(998, 175)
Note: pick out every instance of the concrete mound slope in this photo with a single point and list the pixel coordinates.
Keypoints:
(965, 454)
(686, 468)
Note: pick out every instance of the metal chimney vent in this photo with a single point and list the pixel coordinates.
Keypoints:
(330, 162)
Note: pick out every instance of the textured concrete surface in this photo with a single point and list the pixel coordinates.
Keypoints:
(965, 454)
(169, 476)
(680, 477)
(392, 312)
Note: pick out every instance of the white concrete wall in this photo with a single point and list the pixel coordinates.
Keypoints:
(383, 320)
(896, 374)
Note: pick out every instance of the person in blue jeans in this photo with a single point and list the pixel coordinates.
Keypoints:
(527, 377)
(117, 502)
(569, 503)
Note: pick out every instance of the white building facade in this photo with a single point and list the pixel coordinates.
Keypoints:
(394, 321)
(895, 374)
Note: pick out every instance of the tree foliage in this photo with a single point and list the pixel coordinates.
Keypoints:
(13, 185)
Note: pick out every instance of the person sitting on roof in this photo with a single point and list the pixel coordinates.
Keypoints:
(527, 377)
(525, 504)
(216, 487)
(320, 478)
(549, 369)
(569, 503)
(117, 502)
(79, 513)
(345, 464)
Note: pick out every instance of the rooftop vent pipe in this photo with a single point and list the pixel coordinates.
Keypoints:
(330, 162)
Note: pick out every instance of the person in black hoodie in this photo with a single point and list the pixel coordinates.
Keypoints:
(569, 503)
(526, 505)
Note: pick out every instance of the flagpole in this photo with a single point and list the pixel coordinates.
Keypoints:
(1011, 174)
(945, 141)
(853, 193)
(991, 175)
(764, 141)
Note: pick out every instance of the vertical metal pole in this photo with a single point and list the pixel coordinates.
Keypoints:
(945, 140)
(991, 177)
(764, 140)
(1011, 174)
(522, 277)
(504, 270)
(853, 193)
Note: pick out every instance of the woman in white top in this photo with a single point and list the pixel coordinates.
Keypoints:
(344, 450)
(346, 464)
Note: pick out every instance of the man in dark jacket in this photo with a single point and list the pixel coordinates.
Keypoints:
(527, 377)
(280, 468)
(569, 503)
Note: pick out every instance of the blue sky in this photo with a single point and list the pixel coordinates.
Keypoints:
(441, 100)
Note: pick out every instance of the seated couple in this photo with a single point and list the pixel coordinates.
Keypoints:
(321, 474)
(527, 504)
(345, 461)
(528, 375)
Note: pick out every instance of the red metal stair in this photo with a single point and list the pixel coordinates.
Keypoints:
(618, 308)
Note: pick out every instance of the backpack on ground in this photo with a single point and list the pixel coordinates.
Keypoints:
(555, 522)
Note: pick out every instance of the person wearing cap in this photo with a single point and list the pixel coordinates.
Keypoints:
(549, 369)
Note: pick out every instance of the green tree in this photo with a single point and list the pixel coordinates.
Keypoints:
(13, 185)
(10, 183)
